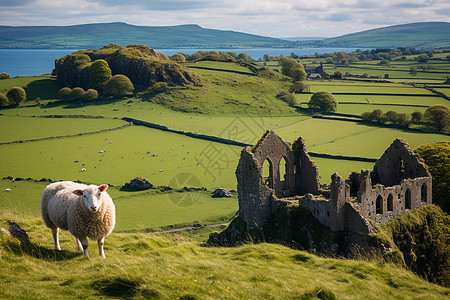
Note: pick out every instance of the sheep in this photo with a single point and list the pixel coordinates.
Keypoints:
(86, 211)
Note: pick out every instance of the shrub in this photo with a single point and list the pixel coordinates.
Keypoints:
(384, 63)
(178, 57)
(438, 117)
(90, 95)
(4, 75)
(16, 95)
(64, 93)
(375, 115)
(416, 117)
(3, 100)
(437, 157)
(119, 85)
(287, 97)
(99, 74)
(323, 101)
(76, 94)
(298, 87)
(338, 75)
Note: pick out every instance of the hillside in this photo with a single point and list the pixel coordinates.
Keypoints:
(98, 35)
(427, 35)
(172, 266)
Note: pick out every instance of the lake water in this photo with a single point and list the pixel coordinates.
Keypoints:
(33, 62)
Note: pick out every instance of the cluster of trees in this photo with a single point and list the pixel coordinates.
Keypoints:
(436, 117)
(15, 96)
(343, 58)
(102, 82)
(213, 56)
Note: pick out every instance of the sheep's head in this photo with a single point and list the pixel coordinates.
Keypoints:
(92, 196)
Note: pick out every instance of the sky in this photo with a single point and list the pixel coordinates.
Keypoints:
(274, 18)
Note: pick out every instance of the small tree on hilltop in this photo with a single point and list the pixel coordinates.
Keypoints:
(99, 74)
(64, 93)
(16, 95)
(3, 100)
(5, 75)
(438, 116)
(119, 85)
(323, 101)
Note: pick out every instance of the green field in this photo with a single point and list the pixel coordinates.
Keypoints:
(230, 105)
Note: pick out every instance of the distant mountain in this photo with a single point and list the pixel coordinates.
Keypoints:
(303, 38)
(98, 35)
(426, 35)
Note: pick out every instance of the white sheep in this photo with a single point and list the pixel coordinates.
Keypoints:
(86, 211)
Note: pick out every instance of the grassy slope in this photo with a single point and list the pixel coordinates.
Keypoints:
(170, 266)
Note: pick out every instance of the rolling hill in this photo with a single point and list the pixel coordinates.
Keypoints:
(101, 34)
(427, 35)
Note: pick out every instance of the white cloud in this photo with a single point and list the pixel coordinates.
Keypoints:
(264, 17)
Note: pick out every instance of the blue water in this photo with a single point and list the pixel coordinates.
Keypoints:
(33, 62)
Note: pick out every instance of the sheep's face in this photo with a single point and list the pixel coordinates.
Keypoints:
(92, 197)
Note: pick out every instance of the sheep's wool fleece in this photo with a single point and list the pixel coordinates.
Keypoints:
(61, 208)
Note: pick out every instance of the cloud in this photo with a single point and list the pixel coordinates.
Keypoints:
(166, 5)
(15, 3)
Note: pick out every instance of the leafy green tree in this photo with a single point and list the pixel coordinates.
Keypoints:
(391, 116)
(266, 57)
(64, 93)
(119, 85)
(3, 100)
(77, 94)
(292, 68)
(244, 57)
(16, 95)
(4, 75)
(413, 71)
(323, 101)
(423, 58)
(338, 75)
(416, 117)
(402, 120)
(90, 95)
(437, 157)
(178, 57)
(99, 74)
(299, 87)
(287, 97)
(438, 116)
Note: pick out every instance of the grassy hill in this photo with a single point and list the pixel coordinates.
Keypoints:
(172, 266)
(426, 34)
(98, 35)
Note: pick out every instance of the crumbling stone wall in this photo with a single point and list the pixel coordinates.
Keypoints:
(400, 182)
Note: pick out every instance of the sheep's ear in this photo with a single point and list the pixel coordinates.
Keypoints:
(103, 187)
(78, 192)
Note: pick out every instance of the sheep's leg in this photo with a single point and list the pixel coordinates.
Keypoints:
(84, 243)
(79, 246)
(55, 233)
(100, 243)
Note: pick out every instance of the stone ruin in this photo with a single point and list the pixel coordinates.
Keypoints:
(398, 183)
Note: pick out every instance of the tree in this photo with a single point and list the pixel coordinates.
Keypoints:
(266, 57)
(178, 57)
(437, 157)
(119, 85)
(4, 75)
(287, 97)
(413, 71)
(76, 94)
(292, 68)
(299, 87)
(391, 116)
(416, 117)
(99, 74)
(90, 95)
(16, 95)
(402, 120)
(64, 93)
(438, 116)
(323, 101)
(423, 58)
(338, 75)
(3, 100)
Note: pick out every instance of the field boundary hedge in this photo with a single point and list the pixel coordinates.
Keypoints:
(235, 143)
(222, 70)
(63, 136)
